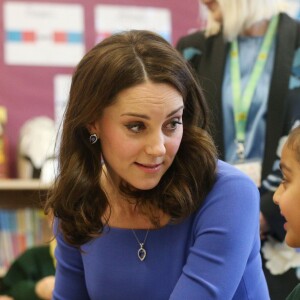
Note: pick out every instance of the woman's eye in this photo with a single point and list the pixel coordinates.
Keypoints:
(135, 127)
(173, 124)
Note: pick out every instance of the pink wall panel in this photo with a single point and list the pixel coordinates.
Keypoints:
(27, 91)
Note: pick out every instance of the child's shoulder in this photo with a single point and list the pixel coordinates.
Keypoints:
(295, 294)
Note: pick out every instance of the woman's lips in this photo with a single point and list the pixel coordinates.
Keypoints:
(149, 168)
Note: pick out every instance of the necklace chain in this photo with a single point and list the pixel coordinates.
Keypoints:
(141, 251)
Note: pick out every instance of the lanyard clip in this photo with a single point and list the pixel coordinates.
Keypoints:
(240, 150)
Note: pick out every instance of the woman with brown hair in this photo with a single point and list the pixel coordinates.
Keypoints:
(144, 209)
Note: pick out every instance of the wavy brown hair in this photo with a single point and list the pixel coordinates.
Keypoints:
(119, 62)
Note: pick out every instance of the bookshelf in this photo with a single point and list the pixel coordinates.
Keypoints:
(21, 193)
(22, 222)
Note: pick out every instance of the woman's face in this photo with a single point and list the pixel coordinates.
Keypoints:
(140, 133)
(214, 7)
(287, 196)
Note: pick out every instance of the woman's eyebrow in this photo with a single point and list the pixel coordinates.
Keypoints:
(136, 115)
(143, 116)
(175, 111)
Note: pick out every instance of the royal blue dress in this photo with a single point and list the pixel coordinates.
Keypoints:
(213, 254)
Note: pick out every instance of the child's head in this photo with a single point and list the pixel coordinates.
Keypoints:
(287, 195)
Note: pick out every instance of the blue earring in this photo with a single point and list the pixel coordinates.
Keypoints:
(93, 138)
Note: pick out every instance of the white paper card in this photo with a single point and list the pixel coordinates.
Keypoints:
(110, 19)
(43, 34)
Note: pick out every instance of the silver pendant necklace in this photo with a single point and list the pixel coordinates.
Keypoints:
(141, 253)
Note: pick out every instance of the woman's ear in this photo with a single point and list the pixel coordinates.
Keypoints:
(92, 128)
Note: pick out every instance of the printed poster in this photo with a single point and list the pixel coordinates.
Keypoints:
(43, 34)
(111, 19)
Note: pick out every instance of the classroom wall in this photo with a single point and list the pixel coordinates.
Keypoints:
(27, 91)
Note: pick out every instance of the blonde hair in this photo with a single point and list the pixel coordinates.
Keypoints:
(238, 15)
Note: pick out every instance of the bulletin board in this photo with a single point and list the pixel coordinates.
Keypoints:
(29, 75)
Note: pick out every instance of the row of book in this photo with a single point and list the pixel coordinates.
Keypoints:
(21, 229)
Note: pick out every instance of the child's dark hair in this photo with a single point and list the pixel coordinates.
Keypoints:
(293, 141)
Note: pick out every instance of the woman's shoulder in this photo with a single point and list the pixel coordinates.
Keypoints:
(227, 172)
(232, 187)
(289, 29)
(191, 44)
(286, 18)
(193, 38)
(232, 202)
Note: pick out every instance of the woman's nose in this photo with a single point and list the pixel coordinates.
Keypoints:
(155, 145)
